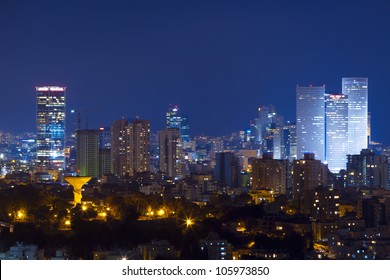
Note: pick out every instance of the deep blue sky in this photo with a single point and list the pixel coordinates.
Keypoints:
(218, 60)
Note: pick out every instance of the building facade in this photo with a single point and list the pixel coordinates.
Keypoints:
(357, 91)
(336, 111)
(269, 174)
(87, 155)
(367, 169)
(50, 128)
(170, 152)
(311, 121)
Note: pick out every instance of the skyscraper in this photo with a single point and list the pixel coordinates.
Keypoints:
(121, 152)
(130, 147)
(141, 145)
(227, 169)
(175, 119)
(170, 152)
(357, 91)
(311, 121)
(336, 110)
(87, 152)
(50, 128)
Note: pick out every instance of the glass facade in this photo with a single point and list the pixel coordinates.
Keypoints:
(177, 120)
(336, 111)
(50, 128)
(357, 91)
(311, 121)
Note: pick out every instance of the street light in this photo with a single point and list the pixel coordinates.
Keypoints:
(189, 222)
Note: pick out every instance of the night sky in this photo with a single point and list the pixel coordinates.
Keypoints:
(218, 60)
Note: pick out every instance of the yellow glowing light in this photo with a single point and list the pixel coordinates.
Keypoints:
(189, 222)
(20, 214)
(161, 212)
(103, 214)
(108, 209)
(67, 222)
(84, 208)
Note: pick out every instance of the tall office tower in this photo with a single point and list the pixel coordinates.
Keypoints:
(185, 129)
(105, 162)
(369, 128)
(309, 173)
(336, 118)
(311, 121)
(367, 169)
(121, 152)
(263, 122)
(269, 174)
(141, 145)
(227, 169)
(290, 141)
(357, 91)
(87, 148)
(175, 119)
(50, 128)
(104, 137)
(170, 152)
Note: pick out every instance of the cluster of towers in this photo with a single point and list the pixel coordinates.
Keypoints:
(122, 149)
(330, 126)
(333, 126)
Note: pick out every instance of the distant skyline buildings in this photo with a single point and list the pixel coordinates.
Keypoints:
(50, 120)
(175, 119)
(336, 119)
(357, 91)
(332, 126)
(310, 112)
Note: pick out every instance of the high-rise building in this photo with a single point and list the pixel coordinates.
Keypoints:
(141, 145)
(311, 121)
(290, 141)
(175, 119)
(170, 152)
(130, 147)
(308, 173)
(104, 137)
(367, 169)
(269, 174)
(121, 152)
(50, 128)
(87, 152)
(357, 91)
(227, 169)
(105, 162)
(336, 112)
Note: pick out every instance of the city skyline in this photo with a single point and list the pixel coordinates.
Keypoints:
(219, 64)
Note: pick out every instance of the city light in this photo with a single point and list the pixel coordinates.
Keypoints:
(189, 222)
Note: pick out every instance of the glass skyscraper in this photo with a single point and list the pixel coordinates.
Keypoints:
(176, 120)
(357, 91)
(311, 121)
(336, 113)
(50, 128)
